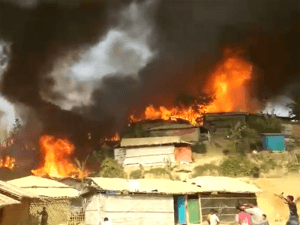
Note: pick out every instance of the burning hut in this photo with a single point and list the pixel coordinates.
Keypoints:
(187, 132)
(60, 198)
(152, 151)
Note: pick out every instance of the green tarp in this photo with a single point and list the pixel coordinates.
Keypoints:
(193, 209)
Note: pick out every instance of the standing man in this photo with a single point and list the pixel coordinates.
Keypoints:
(44, 215)
(107, 222)
(289, 200)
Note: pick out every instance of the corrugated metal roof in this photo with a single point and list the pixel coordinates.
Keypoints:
(224, 184)
(149, 141)
(161, 186)
(18, 192)
(173, 126)
(5, 200)
(45, 187)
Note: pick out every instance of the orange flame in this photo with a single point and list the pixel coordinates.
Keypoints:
(116, 137)
(7, 162)
(227, 85)
(174, 114)
(56, 153)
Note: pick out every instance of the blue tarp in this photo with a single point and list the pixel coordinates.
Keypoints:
(274, 143)
(181, 210)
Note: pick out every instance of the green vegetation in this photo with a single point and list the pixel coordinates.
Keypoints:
(295, 105)
(200, 170)
(199, 147)
(236, 166)
(110, 168)
(157, 171)
(136, 174)
(265, 125)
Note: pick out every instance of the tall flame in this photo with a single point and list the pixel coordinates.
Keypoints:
(7, 162)
(226, 84)
(56, 153)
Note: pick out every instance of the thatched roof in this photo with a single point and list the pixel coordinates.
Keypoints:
(5, 200)
(154, 186)
(224, 184)
(12, 190)
(150, 141)
(45, 187)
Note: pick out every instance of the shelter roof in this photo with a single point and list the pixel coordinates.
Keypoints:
(159, 186)
(150, 141)
(5, 200)
(224, 184)
(172, 126)
(12, 190)
(45, 187)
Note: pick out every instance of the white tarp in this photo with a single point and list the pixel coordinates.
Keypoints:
(138, 209)
(149, 155)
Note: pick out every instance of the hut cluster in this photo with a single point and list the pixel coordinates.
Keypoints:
(127, 202)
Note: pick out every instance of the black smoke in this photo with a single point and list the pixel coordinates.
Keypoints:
(189, 36)
(40, 33)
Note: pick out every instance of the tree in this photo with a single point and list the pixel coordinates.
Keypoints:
(110, 168)
(136, 131)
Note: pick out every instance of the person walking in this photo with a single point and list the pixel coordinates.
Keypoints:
(293, 217)
(242, 217)
(44, 215)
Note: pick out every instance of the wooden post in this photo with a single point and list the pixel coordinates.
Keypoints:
(186, 210)
(200, 208)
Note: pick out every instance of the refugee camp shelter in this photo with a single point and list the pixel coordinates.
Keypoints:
(220, 193)
(187, 132)
(274, 142)
(134, 202)
(152, 151)
(218, 123)
(59, 198)
(14, 204)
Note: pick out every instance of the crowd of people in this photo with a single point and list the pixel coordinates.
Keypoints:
(249, 214)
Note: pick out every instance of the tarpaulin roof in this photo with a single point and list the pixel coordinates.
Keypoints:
(5, 200)
(224, 184)
(45, 187)
(160, 186)
(149, 141)
(19, 193)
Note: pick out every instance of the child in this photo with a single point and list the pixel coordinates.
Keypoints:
(214, 219)
(265, 220)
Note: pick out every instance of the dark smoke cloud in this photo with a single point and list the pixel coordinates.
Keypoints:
(40, 33)
(189, 36)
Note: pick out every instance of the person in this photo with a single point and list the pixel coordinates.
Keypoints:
(107, 222)
(214, 219)
(44, 215)
(208, 218)
(243, 218)
(255, 213)
(265, 220)
(289, 200)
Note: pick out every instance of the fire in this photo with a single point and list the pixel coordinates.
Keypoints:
(227, 85)
(7, 162)
(174, 114)
(56, 153)
(116, 137)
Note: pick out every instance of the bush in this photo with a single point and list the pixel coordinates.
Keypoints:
(234, 166)
(157, 171)
(110, 168)
(199, 148)
(199, 170)
(136, 174)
